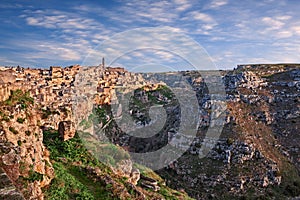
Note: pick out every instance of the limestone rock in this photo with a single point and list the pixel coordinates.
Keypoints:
(7, 189)
(149, 183)
(11, 158)
(124, 168)
(134, 176)
(66, 130)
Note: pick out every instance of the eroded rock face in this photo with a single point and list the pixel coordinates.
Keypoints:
(7, 188)
(23, 154)
(263, 118)
(66, 129)
(11, 158)
(134, 176)
(125, 168)
(257, 106)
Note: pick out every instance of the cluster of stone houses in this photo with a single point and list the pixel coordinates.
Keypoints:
(56, 89)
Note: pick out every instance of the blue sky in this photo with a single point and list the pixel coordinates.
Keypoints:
(44, 33)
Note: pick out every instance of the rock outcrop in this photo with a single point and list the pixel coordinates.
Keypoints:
(256, 152)
(7, 188)
(24, 158)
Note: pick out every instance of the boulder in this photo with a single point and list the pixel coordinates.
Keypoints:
(134, 176)
(66, 130)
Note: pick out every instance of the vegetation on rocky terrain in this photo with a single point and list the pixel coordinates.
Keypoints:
(23, 157)
(74, 164)
(258, 117)
(256, 156)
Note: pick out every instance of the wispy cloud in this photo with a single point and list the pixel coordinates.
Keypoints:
(182, 5)
(199, 22)
(60, 20)
(231, 31)
(71, 36)
(274, 23)
(215, 4)
(151, 45)
(201, 16)
(10, 5)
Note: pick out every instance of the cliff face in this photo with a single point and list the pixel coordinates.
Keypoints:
(51, 91)
(36, 109)
(24, 158)
(256, 155)
(8, 190)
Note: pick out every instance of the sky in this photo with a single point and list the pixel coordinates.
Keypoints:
(146, 33)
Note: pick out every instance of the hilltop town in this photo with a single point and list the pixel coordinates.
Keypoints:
(53, 88)
(256, 154)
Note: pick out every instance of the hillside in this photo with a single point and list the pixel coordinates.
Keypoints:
(62, 138)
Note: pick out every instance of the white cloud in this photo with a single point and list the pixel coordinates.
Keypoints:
(283, 17)
(32, 21)
(182, 5)
(296, 30)
(150, 45)
(7, 61)
(197, 22)
(45, 49)
(131, 12)
(10, 6)
(284, 34)
(272, 23)
(215, 4)
(217, 23)
(61, 20)
(201, 16)
(280, 26)
(276, 22)
(72, 35)
(164, 55)
(208, 26)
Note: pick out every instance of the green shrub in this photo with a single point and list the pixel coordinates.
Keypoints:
(65, 186)
(85, 124)
(22, 166)
(28, 133)
(8, 102)
(20, 120)
(5, 118)
(230, 141)
(100, 112)
(111, 154)
(13, 130)
(72, 149)
(19, 97)
(47, 112)
(34, 176)
(293, 189)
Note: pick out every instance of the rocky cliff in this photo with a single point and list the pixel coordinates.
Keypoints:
(256, 155)
(41, 157)
(24, 158)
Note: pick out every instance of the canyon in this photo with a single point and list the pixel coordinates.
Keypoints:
(246, 142)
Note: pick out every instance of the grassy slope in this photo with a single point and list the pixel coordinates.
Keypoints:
(70, 160)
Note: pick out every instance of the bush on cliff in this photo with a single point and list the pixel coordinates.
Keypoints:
(19, 97)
